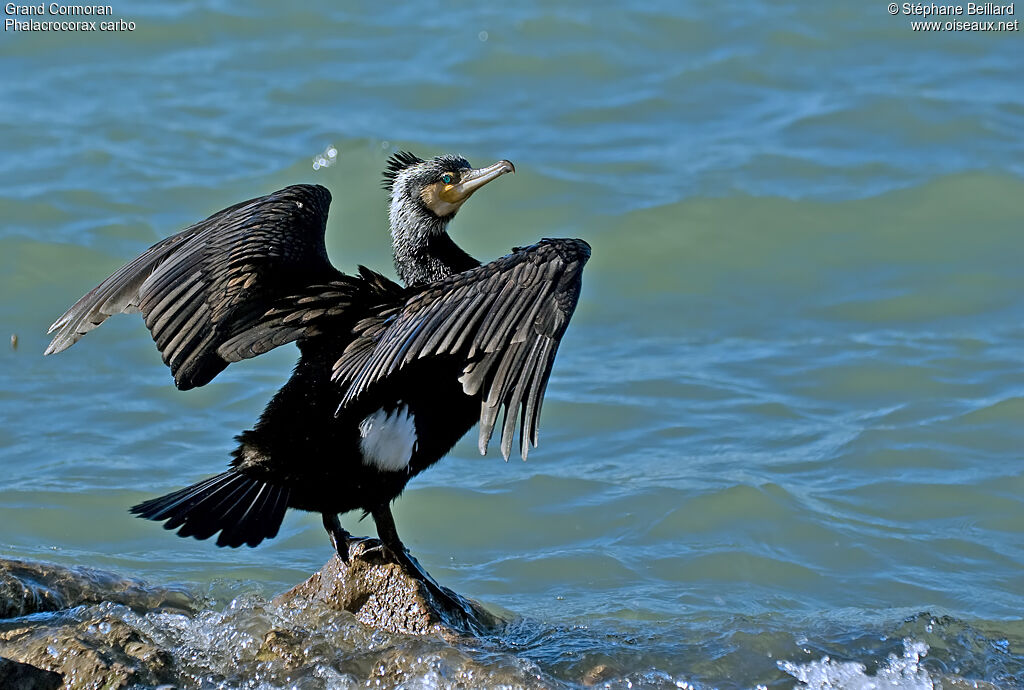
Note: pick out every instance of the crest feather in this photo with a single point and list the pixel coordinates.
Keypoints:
(397, 163)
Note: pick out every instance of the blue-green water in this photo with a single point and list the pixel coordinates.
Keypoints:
(785, 422)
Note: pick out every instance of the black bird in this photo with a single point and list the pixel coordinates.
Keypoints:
(389, 377)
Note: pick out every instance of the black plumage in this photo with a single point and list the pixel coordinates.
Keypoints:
(389, 376)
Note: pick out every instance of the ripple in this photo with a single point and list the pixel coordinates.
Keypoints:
(788, 404)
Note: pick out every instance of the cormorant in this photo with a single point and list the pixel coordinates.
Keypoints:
(389, 377)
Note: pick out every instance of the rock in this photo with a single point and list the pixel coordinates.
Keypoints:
(29, 587)
(14, 674)
(953, 682)
(380, 593)
(83, 629)
(282, 646)
(384, 661)
(99, 651)
(598, 674)
(92, 647)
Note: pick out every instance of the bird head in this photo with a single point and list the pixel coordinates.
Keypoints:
(435, 188)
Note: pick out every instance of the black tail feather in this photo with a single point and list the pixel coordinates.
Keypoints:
(244, 510)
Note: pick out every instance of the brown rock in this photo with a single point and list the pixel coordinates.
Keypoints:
(100, 651)
(598, 674)
(90, 635)
(380, 593)
(29, 587)
(283, 646)
(91, 648)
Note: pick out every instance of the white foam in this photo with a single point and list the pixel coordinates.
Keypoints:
(897, 673)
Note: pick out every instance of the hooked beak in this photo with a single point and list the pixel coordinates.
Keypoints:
(474, 180)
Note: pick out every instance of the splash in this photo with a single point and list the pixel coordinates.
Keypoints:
(326, 158)
(898, 673)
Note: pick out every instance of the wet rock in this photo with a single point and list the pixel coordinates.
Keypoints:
(282, 646)
(375, 659)
(598, 674)
(380, 593)
(86, 629)
(14, 674)
(410, 665)
(960, 683)
(98, 651)
(90, 647)
(29, 587)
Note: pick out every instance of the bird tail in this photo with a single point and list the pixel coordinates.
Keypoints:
(244, 510)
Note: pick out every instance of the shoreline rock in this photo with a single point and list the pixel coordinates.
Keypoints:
(69, 627)
(28, 587)
(381, 594)
(92, 649)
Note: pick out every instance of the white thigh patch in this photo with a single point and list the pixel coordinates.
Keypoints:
(388, 440)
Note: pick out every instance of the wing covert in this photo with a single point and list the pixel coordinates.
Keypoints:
(314, 311)
(505, 318)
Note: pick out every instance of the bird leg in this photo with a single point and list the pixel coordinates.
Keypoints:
(339, 537)
(389, 538)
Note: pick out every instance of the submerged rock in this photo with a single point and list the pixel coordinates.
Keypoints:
(379, 592)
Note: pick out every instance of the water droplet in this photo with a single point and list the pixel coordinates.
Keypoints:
(326, 158)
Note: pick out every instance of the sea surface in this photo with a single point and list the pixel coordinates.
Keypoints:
(782, 444)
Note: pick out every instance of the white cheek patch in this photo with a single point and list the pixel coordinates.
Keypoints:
(388, 440)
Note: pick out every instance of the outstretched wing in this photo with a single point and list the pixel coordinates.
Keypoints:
(213, 280)
(505, 319)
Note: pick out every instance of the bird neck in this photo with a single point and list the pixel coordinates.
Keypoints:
(432, 258)
(424, 252)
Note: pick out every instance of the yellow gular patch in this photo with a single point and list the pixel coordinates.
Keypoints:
(441, 198)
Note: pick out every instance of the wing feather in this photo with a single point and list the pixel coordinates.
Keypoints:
(453, 338)
(504, 319)
(310, 312)
(205, 292)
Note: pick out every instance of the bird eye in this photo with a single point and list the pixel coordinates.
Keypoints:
(447, 178)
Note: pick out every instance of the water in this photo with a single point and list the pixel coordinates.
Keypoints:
(782, 440)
